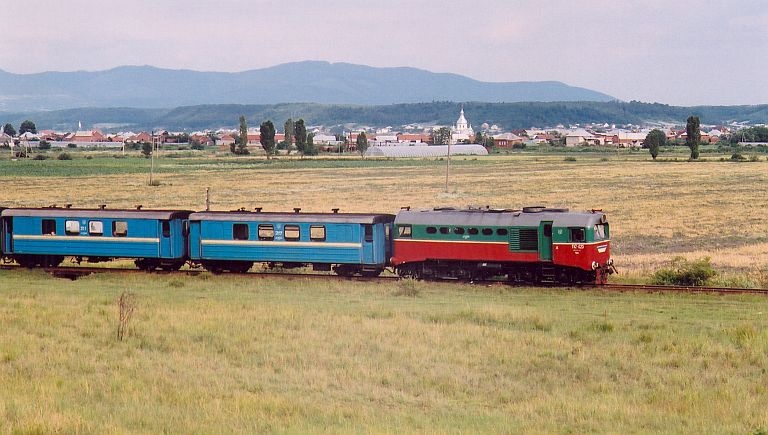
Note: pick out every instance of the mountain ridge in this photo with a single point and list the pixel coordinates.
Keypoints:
(295, 82)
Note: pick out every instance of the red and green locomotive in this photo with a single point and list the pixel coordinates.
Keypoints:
(533, 245)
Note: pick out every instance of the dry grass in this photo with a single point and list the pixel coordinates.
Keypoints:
(657, 210)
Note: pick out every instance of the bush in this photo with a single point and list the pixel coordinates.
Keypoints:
(64, 156)
(40, 157)
(71, 145)
(570, 159)
(44, 145)
(685, 273)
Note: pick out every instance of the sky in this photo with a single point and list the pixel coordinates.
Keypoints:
(680, 52)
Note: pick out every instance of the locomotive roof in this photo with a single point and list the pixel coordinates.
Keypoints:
(246, 216)
(97, 213)
(491, 217)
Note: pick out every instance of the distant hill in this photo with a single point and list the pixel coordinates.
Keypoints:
(310, 81)
(508, 116)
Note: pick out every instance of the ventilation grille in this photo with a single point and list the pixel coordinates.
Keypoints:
(523, 239)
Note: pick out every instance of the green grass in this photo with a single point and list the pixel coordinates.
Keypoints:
(268, 354)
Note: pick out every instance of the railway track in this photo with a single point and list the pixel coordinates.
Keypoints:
(75, 272)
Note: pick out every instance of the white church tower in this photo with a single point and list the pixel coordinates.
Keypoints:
(462, 130)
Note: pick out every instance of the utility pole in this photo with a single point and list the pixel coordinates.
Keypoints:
(448, 165)
(152, 159)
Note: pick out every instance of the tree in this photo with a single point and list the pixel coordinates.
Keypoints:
(27, 126)
(267, 130)
(242, 140)
(655, 140)
(300, 130)
(288, 129)
(146, 149)
(362, 143)
(441, 136)
(693, 136)
(310, 149)
(43, 145)
(9, 130)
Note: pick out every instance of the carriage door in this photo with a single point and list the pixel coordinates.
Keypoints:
(368, 244)
(545, 241)
(165, 239)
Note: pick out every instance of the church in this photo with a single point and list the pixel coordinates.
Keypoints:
(462, 131)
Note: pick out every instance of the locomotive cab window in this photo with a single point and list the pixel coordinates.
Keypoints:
(405, 231)
(49, 227)
(240, 231)
(266, 232)
(72, 228)
(317, 233)
(119, 229)
(292, 233)
(601, 232)
(577, 235)
(96, 228)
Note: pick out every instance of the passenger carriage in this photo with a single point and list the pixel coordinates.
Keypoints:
(348, 243)
(536, 244)
(45, 236)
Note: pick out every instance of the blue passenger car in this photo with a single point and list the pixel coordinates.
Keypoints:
(44, 236)
(350, 243)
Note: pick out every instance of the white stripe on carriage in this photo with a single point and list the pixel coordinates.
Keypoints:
(54, 238)
(279, 243)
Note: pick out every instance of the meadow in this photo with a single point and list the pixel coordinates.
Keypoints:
(232, 354)
(269, 354)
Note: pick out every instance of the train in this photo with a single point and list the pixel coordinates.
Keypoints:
(532, 245)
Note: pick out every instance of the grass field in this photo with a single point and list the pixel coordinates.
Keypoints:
(222, 354)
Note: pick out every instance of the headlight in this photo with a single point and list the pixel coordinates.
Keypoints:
(595, 265)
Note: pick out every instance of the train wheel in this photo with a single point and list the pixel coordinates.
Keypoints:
(213, 266)
(52, 260)
(345, 270)
(240, 266)
(28, 261)
(146, 264)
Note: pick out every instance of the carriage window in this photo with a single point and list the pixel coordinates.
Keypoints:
(502, 232)
(368, 233)
(240, 231)
(317, 233)
(577, 234)
(292, 233)
(119, 229)
(473, 231)
(49, 227)
(600, 232)
(487, 231)
(266, 232)
(405, 231)
(166, 229)
(547, 230)
(458, 230)
(431, 230)
(96, 228)
(444, 230)
(72, 228)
